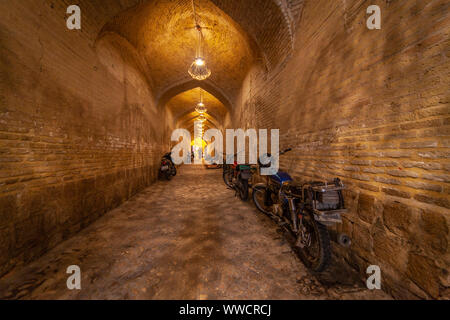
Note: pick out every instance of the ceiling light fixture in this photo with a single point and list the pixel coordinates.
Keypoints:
(201, 108)
(198, 69)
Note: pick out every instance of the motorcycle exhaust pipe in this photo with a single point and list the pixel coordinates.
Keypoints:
(341, 238)
(344, 240)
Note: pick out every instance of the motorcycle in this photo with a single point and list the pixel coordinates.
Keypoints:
(305, 210)
(167, 169)
(236, 176)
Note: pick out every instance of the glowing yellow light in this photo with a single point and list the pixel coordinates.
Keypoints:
(198, 142)
(199, 62)
(201, 108)
(199, 70)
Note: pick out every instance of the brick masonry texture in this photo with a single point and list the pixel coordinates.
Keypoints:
(231, 252)
(83, 121)
(372, 108)
(79, 131)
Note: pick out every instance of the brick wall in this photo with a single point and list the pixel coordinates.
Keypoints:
(372, 108)
(79, 130)
(267, 23)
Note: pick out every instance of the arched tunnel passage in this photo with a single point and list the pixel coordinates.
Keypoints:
(182, 108)
(87, 115)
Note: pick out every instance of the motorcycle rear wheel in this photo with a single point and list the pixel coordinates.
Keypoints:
(243, 189)
(173, 170)
(228, 177)
(165, 175)
(258, 199)
(317, 255)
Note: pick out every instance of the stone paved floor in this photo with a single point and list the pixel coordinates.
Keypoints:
(189, 238)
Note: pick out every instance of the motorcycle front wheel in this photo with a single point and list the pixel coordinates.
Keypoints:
(315, 251)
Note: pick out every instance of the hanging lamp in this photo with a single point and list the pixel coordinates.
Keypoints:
(201, 108)
(198, 69)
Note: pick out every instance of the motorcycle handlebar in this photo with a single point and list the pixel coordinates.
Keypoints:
(286, 151)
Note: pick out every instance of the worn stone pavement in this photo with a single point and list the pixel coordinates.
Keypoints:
(188, 238)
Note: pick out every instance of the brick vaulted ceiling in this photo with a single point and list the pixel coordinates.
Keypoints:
(182, 108)
(184, 103)
(238, 33)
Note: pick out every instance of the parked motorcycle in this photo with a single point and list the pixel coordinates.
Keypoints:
(167, 169)
(237, 176)
(304, 210)
(227, 174)
(172, 167)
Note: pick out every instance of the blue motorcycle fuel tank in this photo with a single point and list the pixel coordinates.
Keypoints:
(281, 177)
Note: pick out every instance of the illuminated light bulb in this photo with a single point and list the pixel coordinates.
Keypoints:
(201, 108)
(199, 70)
(199, 62)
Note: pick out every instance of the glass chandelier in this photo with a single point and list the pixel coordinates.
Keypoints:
(198, 69)
(201, 108)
